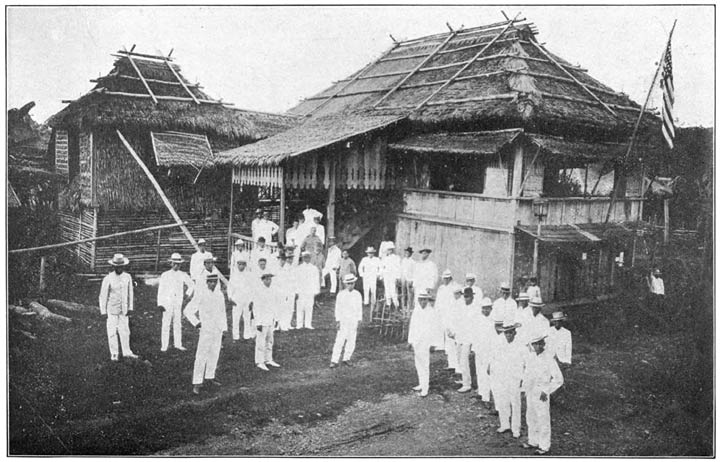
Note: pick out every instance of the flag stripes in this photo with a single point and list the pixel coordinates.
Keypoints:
(668, 125)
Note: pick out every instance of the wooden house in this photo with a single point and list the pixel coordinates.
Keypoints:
(480, 135)
(175, 127)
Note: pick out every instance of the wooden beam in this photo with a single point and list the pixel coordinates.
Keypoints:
(468, 64)
(527, 173)
(93, 239)
(582, 85)
(353, 80)
(164, 198)
(125, 53)
(130, 77)
(147, 87)
(444, 52)
(166, 98)
(167, 61)
(586, 101)
(458, 100)
(420, 65)
(562, 79)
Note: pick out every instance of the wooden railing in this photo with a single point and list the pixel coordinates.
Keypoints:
(573, 210)
(248, 243)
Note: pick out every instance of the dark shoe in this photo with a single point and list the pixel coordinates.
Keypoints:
(528, 446)
(541, 452)
(333, 365)
(347, 363)
(215, 383)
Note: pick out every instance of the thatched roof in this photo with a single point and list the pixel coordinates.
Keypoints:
(121, 100)
(176, 148)
(490, 77)
(313, 134)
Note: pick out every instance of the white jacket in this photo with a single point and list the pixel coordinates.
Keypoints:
(266, 302)
(207, 307)
(369, 268)
(116, 294)
(307, 278)
(348, 307)
(425, 275)
(171, 288)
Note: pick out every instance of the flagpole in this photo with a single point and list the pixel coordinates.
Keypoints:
(637, 123)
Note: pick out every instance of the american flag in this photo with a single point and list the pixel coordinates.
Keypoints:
(668, 127)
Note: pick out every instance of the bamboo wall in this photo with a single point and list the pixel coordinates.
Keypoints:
(85, 177)
(75, 226)
(61, 152)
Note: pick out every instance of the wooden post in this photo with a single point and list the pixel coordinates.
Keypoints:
(536, 249)
(157, 252)
(164, 198)
(230, 221)
(281, 231)
(666, 227)
(517, 179)
(42, 283)
(331, 199)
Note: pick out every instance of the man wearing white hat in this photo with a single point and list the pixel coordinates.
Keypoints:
(315, 247)
(463, 333)
(266, 301)
(261, 250)
(407, 268)
(116, 302)
(504, 307)
(172, 288)
(524, 317)
(287, 287)
(483, 332)
(369, 270)
(238, 254)
(507, 368)
(254, 224)
(559, 340)
(240, 289)
(266, 228)
(206, 311)
(197, 259)
(425, 273)
(348, 314)
(542, 377)
(332, 264)
(444, 303)
(390, 273)
(470, 279)
(538, 323)
(424, 333)
(307, 278)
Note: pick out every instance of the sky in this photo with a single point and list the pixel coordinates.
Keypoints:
(269, 58)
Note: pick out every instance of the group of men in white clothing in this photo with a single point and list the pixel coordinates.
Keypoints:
(516, 349)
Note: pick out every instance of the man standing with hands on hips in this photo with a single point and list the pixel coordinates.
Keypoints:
(171, 293)
(348, 314)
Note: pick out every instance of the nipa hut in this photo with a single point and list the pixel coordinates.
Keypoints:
(501, 154)
(175, 127)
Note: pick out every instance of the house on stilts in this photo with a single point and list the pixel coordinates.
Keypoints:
(488, 148)
(176, 128)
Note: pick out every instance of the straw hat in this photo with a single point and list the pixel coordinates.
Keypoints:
(505, 287)
(424, 295)
(349, 279)
(211, 277)
(118, 260)
(209, 257)
(537, 337)
(239, 242)
(266, 275)
(486, 302)
(535, 301)
(558, 316)
(510, 325)
(370, 249)
(447, 273)
(425, 250)
(523, 296)
(176, 258)
(201, 241)
(470, 276)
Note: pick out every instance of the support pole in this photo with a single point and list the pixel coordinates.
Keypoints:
(666, 226)
(536, 250)
(157, 251)
(41, 283)
(331, 199)
(230, 220)
(281, 231)
(164, 198)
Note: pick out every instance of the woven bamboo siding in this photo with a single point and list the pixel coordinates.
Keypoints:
(142, 249)
(85, 179)
(460, 249)
(75, 226)
(61, 152)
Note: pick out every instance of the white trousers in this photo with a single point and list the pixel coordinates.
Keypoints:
(264, 341)
(481, 372)
(305, 305)
(538, 420)
(391, 294)
(369, 290)
(464, 363)
(242, 310)
(452, 352)
(346, 336)
(118, 325)
(171, 315)
(287, 308)
(207, 355)
(422, 365)
(507, 403)
(333, 279)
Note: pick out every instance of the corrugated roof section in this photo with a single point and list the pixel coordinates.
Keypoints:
(175, 149)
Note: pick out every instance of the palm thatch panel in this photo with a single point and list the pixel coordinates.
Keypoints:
(174, 148)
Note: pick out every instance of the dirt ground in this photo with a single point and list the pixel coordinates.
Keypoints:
(630, 392)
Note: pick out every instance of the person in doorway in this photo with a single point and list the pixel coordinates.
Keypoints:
(254, 226)
(425, 273)
(332, 264)
(266, 301)
(198, 259)
(559, 340)
(348, 315)
(542, 377)
(423, 334)
(533, 289)
(173, 286)
(507, 370)
(347, 266)
(307, 278)
(240, 290)
(390, 273)
(444, 304)
(369, 271)
(206, 311)
(116, 303)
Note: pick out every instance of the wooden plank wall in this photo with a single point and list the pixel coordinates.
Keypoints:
(461, 249)
(462, 208)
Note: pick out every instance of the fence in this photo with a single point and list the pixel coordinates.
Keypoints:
(392, 321)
